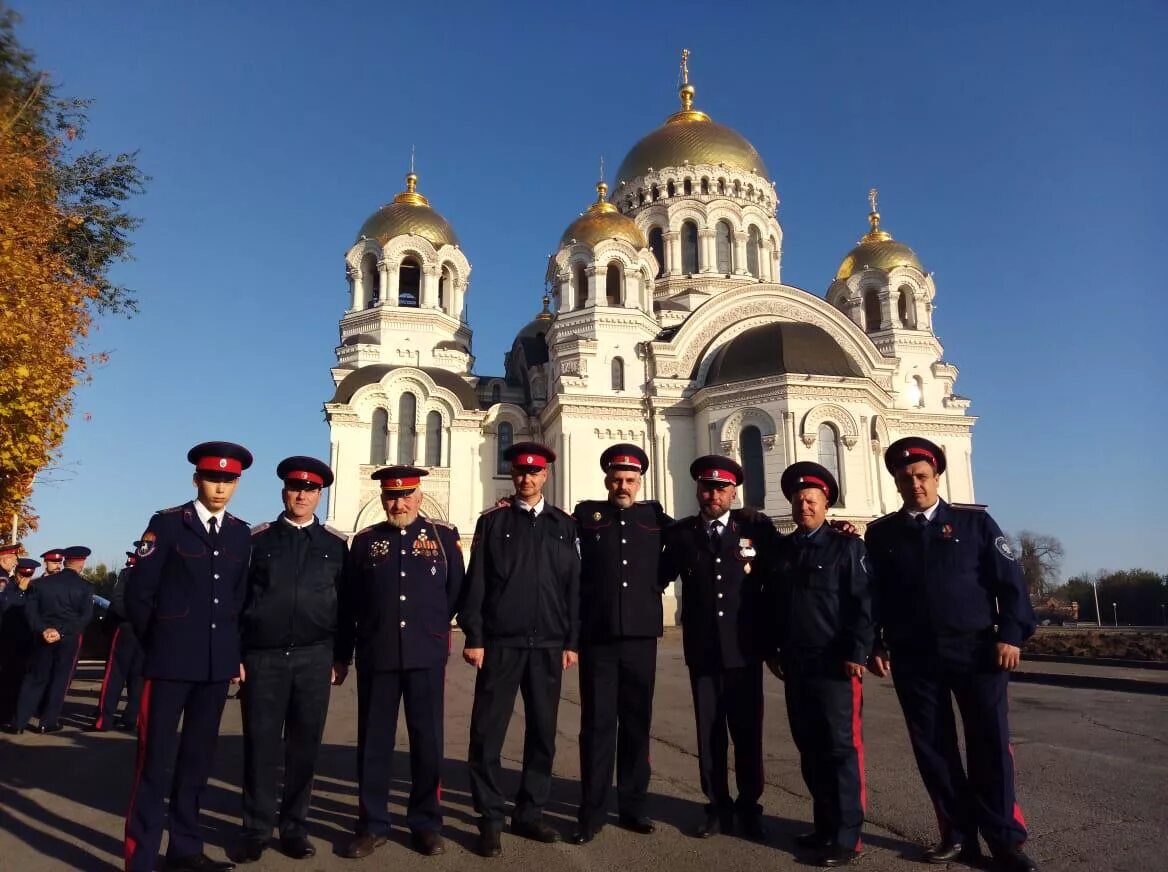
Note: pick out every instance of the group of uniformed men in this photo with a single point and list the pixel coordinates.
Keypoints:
(282, 608)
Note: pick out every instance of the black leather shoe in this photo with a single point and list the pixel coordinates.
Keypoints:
(94, 728)
(12, 729)
(428, 842)
(585, 834)
(837, 856)
(752, 827)
(196, 863)
(812, 841)
(537, 831)
(948, 852)
(1012, 859)
(50, 728)
(126, 726)
(712, 824)
(297, 847)
(637, 823)
(490, 843)
(250, 849)
(362, 845)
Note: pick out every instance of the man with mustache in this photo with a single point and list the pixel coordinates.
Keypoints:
(620, 622)
(722, 555)
(400, 587)
(952, 613)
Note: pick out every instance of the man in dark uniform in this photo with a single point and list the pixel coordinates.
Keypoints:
(401, 585)
(721, 555)
(820, 610)
(123, 663)
(952, 612)
(521, 619)
(54, 560)
(289, 621)
(9, 556)
(58, 609)
(16, 639)
(620, 622)
(184, 598)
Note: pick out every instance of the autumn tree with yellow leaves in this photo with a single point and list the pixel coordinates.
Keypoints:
(62, 225)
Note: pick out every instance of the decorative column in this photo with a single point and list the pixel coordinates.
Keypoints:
(591, 273)
(672, 252)
(354, 278)
(632, 298)
(739, 252)
(390, 275)
(706, 251)
(429, 289)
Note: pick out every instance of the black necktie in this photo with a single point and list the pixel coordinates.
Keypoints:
(716, 535)
(531, 513)
(213, 526)
(922, 521)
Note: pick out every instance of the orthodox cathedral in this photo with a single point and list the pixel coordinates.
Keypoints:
(667, 324)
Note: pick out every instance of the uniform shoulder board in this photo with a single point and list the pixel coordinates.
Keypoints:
(363, 529)
(561, 512)
(881, 519)
(259, 528)
(583, 504)
(335, 532)
(230, 517)
(170, 511)
(969, 507)
(653, 504)
(438, 523)
(490, 509)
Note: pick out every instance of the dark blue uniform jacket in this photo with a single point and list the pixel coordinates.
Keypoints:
(186, 593)
(955, 578)
(63, 600)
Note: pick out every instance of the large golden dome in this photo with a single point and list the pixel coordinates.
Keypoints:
(603, 221)
(409, 212)
(690, 137)
(877, 250)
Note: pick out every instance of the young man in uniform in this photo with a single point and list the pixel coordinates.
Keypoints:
(399, 591)
(620, 622)
(288, 625)
(952, 611)
(820, 612)
(521, 619)
(721, 555)
(123, 663)
(16, 639)
(184, 598)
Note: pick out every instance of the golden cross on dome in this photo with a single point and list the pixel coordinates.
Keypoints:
(412, 148)
(872, 198)
(685, 66)
(602, 168)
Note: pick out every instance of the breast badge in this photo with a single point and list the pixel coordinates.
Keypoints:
(379, 549)
(424, 546)
(746, 549)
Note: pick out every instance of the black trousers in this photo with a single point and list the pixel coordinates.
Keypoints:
(200, 706)
(536, 673)
(825, 715)
(285, 701)
(50, 669)
(730, 700)
(984, 798)
(14, 658)
(378, 696)
(616, 707)
(123, 670)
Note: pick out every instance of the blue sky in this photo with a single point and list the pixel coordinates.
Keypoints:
(1017, 147)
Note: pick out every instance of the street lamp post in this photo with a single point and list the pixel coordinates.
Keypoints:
(1164, 614)
(1115, 612)
(1094, 588)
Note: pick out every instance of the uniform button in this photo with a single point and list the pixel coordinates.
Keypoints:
(717, 559)
(215, 601)
(624, 541)
(719, 594)
(625, 562)
(214, 553)
(403, 623)
(717, 578)
(720, 614)
(403, 532)
(403, 551)
(402, 597)
(216, 576)
(403, 573)
(624, 584)
(212, 626)
(622, 523)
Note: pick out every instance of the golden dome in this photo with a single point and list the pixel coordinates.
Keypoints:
(877, 249)
(409, 212)
(603, 221)
(690, 137)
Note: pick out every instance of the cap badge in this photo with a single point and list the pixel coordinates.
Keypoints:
(397, 482)
(530, 459)
(222, 462)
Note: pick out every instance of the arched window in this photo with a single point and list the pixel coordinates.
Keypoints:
(829, 456)
(496, 393)
(750, 444)
(737, 188)
(905, 309)
(379, 437)
(705, 186)
(580, 276)
(407, 430)
(670, 190)
(641, 197)
(657, 246)
(434, 439)
(916, 392)
(409, 283)
(721, 186)
(753, 246)
(444, 285)
(724, 248)
(612, 284)
(506, 438)
(370, 280)
(656, 193)
(689, 248)
(618, 374)
(872, 309)
(687, 186)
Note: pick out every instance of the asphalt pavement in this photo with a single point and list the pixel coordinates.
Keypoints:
(1092, 767)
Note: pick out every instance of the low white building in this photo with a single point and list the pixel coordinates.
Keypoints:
(667, 325)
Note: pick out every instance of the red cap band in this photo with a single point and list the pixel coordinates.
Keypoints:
(923, 453)
(397, 484)
(814, 482)
(9, 549)
(718, 475)
(304, 475)
(624, 460)
(536, 460)
(219, 464)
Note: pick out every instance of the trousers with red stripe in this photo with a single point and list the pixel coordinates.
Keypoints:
(199, 704)
(123, 670)
(824, 711)
(980, 795)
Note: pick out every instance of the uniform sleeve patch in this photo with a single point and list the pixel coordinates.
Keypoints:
(149, 541)
(1004, 547)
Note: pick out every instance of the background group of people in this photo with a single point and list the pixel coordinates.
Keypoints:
(285, 607)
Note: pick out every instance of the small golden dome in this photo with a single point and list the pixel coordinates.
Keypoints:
(603, 221)
(877, 249)
(690, 137)
(409, 212)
